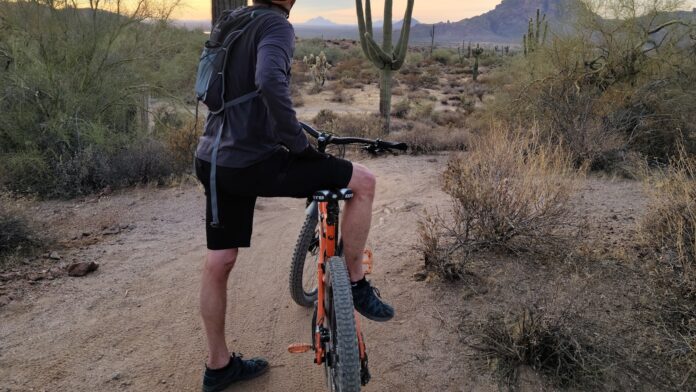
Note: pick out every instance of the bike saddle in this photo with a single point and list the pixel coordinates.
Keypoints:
(327, 195)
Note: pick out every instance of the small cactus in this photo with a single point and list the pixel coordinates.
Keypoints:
(318, 68)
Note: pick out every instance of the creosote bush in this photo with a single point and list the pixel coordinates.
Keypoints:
(509, 192)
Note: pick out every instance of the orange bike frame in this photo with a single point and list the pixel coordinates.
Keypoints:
(328, 242)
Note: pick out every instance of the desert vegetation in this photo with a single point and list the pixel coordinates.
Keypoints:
(568, 231)
(79, 93)
(614, 94)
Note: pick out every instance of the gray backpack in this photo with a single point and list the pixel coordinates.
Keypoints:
(210, 78)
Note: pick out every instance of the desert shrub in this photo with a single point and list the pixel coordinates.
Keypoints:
(509, 188)
(358, 125)
(296, 96)
(451, 119)
(356, 68)
(547, 344)
(334, 54)
(340, 95)
(75, 97)
(444, 56)
(670, 224)
(401, 109)
(324, 118)
(421, 111)
(608, 87)
(181, 138)
(417, 79)
(413, 59)
(509, 192)
(16, 234)
(425, 139)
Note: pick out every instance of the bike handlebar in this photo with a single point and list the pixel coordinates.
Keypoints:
(373, 146)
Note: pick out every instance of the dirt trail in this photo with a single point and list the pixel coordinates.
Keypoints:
(133, 325)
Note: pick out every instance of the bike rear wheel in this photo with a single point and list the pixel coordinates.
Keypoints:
(342, 361)
(303, 270)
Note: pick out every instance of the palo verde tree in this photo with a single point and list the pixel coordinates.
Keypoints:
(387, 57)
(220, 5)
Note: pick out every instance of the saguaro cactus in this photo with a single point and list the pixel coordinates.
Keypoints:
(387, 57)
(533, 39)
(475, 70)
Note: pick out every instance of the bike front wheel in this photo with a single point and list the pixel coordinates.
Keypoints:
(342, 362)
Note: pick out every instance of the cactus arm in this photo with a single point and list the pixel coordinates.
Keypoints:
(402, 45)
(361, 25)
(380, 56)
(368, 16)
(546, 30)
(387, 30)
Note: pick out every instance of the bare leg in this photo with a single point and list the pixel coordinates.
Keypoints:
(357, 216)
(216, 272)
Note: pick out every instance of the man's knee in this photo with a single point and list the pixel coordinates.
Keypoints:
(221, 261)
(363, 182)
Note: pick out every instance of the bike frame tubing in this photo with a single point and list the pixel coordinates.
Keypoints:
(328, 234)
(328, 244)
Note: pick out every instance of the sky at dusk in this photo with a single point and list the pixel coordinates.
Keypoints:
(343, 11)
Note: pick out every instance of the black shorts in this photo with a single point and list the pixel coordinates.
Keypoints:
(280, 175)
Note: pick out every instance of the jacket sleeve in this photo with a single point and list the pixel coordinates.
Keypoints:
(274, 58)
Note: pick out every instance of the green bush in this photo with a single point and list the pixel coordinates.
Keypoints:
(334, 54)
(444, 56)
(610, 89)
(76, 91)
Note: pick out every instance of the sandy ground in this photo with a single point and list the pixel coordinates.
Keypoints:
(133, 325)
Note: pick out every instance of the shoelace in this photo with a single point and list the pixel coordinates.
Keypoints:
(376, 291)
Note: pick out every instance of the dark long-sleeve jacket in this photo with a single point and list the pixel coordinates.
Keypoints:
(252, 131)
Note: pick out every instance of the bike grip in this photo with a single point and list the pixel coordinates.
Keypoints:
(393, 146)
(400, 146)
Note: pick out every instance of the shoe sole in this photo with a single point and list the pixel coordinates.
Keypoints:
(377, 319)
(221, 389)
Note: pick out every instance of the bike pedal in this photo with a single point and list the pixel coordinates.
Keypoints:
(367, 261)
(299, 348)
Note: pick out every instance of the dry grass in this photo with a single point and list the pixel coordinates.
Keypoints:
(427, 139)
(182, 140)
(669, 228)
(670, 224)
(545, 343)
(510, 193)
(16, 233)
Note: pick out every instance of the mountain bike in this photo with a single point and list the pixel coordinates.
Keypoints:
(319, 279)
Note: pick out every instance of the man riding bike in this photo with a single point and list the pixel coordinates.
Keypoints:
(263, 152)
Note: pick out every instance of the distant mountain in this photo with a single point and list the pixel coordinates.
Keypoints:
(320, 21)
(504, 24)
(396, 25)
